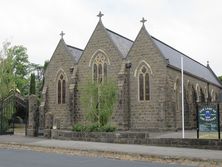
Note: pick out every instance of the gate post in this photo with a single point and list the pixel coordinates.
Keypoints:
(33, 116)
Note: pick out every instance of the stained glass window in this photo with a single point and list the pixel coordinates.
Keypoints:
(105, 71)
(99, 68)
(147, 89)
(61, 90)
(95, 72)
(144, 84)
(141, 85)
(100, 74)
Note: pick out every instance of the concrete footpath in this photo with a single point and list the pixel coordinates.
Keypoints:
(165, 152)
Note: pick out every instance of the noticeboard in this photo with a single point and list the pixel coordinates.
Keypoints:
(208, 118)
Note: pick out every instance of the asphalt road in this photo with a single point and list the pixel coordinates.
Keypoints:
(22, 158)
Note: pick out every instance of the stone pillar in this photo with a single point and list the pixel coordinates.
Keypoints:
(122, 116)
(73, 95)
(33, 116)
(48, 124)
(43, 110)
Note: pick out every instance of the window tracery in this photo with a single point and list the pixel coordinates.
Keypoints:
(61, 92)
(144, 84)
(99, 68)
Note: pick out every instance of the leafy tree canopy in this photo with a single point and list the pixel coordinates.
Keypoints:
(15, 70)
(220, 78)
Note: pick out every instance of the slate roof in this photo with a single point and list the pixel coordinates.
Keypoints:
(172, 55)
(191, 66)
(122, 43)
(75, 52)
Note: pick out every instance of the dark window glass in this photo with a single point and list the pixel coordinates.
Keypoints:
(63, 91)
(61, 77)
(141, 87)
(105, 71)
(59, 92)
(147, 87)
(100, 73)
(144, 70)
(95, 73)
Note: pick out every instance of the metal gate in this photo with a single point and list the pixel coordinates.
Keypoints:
(8, 112)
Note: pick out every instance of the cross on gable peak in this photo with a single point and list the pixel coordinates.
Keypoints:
(62, 34)
(143, 20)
(100, 15)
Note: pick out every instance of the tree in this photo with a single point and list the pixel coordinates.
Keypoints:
(6, 71)
(20, 67)
(98, 101)
(220, 78)
(14, 69)
(39, 70)
(32, 85)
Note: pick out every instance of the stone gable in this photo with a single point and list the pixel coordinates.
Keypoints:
(131, 64)
(61, 61)
(147, 114)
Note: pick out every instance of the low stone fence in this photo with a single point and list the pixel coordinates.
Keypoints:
(213, 144)
(106, 137)
(136, 138)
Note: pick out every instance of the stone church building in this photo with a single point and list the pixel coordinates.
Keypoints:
(147, 73)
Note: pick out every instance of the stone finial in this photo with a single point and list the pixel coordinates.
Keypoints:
(62, 34)
(143, 20)
(208, 63)
(100, 15)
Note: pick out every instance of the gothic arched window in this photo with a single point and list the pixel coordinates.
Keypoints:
(61, 90)
(144, 84)
(198, 93)
(99, 68)
(213, 96)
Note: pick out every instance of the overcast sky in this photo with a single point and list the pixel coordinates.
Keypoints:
(193, 27)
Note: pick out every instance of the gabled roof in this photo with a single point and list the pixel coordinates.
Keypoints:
(122, 43)
(75, 52)
(191, 66)
(173, 56)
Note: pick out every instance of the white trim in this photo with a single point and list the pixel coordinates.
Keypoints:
(213, 95)
(188, 82)
(60, 71)
(140, 64)
(176, 84)
(58, 74)
(95, 54)
(198, 92)
(205, 94)
(92, 61)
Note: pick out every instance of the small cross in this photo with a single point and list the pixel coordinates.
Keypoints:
(100, 15)
(143, 20)
(62, 34)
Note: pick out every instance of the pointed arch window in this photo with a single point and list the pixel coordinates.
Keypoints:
(213, 96)
(99, 68)
(144, 84)
(198, 93)
(61, 92)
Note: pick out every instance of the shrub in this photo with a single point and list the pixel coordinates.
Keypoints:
(93, 127)
(79, 128)
(107, 128)
(98, 101)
